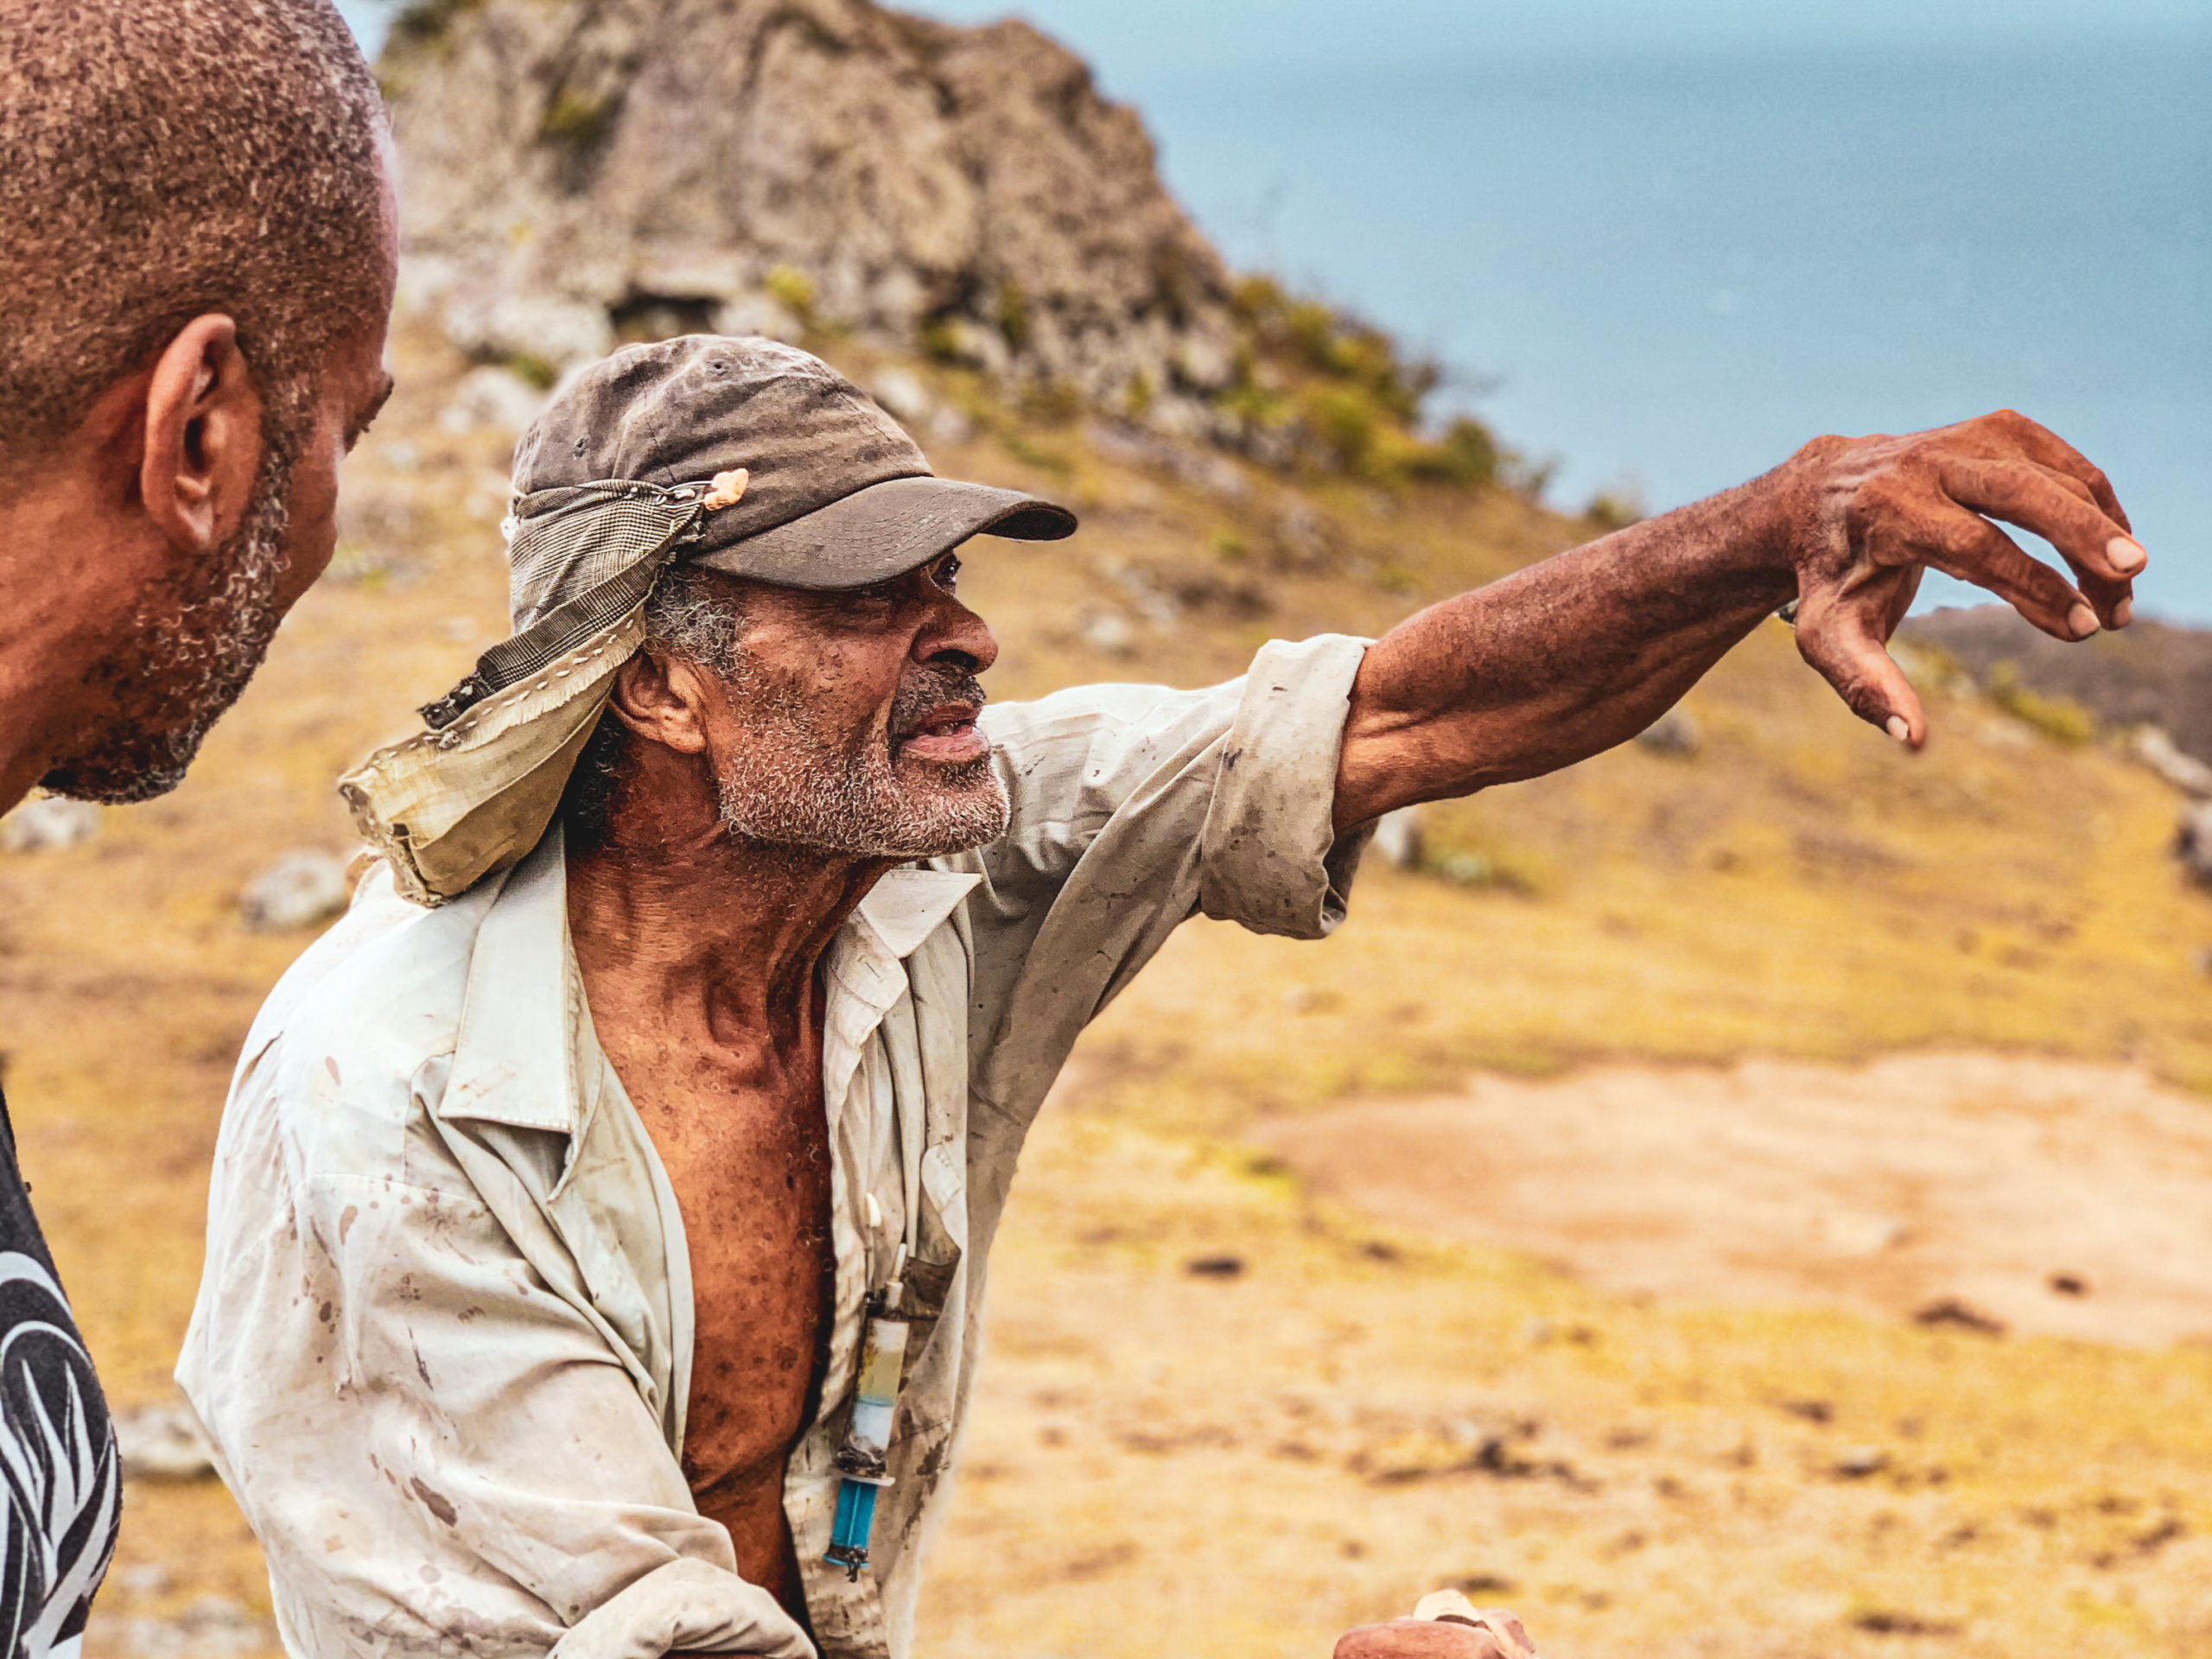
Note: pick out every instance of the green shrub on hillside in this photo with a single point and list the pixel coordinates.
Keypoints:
(427, 23)
(421, 31)
(531, 370)
(2059, 717)
(1467, 453)
(577, 119)
(1344, 424)
(1326, 342)
(1350, 398)
(1013, 317)
(793, 290)
(1616, 509)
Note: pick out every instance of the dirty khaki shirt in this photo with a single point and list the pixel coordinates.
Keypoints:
(443, 1344)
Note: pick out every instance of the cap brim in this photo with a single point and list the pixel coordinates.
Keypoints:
(882, 531)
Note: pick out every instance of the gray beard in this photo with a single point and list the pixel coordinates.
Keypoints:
(795, 784)
(196, 637)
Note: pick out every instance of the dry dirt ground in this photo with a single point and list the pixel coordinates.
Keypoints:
(1219, 1417)
(2066, 1199)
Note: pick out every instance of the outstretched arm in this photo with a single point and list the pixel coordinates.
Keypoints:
(1568, 658)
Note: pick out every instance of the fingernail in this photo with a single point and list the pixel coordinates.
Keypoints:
(2082, 620)
(2123, 614)
(2126, 554)
(1897, 727)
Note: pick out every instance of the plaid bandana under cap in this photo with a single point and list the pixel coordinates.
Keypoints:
(746, 456)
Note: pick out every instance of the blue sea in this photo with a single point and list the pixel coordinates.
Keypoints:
(1663, 245)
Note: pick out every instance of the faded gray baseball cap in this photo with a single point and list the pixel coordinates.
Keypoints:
(836, 494)
(743, 455)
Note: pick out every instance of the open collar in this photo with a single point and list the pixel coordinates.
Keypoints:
(866, 962)
(911, 903)
(515, 1059)
(526, 1040)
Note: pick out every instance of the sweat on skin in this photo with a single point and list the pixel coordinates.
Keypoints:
(628, 1130)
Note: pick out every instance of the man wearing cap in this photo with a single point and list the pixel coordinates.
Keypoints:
(598, 1225)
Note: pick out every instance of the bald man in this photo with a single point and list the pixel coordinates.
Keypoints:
(197, 246)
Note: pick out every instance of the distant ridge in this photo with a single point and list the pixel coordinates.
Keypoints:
(2149, 672)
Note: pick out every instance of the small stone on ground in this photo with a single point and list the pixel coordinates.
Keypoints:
(49, 825)
(300, 888)
(162, 1442)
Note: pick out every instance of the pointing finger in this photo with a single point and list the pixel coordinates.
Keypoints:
(2057, 508)
(2039, 444)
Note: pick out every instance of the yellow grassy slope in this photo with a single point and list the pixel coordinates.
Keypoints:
(1796, 887)
(1799, 887)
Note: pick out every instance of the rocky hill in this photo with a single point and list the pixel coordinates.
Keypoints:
(577, 172)
(583, 172)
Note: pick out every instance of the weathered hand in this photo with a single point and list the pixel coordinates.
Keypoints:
(1493, 1635)
(1868, 515)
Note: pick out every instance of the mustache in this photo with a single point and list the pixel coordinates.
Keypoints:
(929, 688)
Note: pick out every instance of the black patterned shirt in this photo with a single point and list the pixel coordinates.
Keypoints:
(57, 1450)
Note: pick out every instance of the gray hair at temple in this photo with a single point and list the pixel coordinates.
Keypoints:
(689, 617)
(161, 160)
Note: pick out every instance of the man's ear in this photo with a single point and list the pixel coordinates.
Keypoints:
(662, 701)
(203, 436)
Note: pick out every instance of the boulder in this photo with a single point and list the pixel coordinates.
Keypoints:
(162, 1442)
(1676, 733)
(902, 395)
(299, 889)
(49, 825)
(1106, 629)
(551, 328)
(1398, 837)
(2163, 755)
(1304, 539)
(492, 396)
(2193, 842)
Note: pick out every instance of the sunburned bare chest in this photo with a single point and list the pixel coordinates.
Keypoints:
(750, 1166)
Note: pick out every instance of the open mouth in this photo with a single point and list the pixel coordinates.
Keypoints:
(946, 733)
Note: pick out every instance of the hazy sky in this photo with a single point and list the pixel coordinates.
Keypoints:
(1137, 36)
(1152, 34)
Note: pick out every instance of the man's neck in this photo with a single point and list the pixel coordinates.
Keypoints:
(708, 936)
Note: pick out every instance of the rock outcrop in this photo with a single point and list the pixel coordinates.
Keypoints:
(581, 171)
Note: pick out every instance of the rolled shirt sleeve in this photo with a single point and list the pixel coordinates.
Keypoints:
(438, 1452)
(1270, 856)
